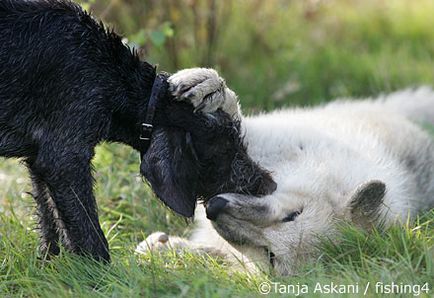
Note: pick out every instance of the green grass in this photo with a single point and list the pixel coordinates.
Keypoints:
(272, 53)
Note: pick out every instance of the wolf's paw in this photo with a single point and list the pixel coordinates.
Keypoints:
(155, 241)
(159, 242)
(204, 89)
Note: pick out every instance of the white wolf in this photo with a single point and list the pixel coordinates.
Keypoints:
(361, 161)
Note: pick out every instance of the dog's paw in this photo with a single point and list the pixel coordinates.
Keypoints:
(204, 89)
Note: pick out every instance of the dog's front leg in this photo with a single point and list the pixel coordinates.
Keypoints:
(206, 90)
(47, 216)
(69, 181)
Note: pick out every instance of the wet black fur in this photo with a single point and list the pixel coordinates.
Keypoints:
(66, 84)
(198, 156)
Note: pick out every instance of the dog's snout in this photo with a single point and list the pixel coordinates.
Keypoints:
(214, 207)
(266, 187)
(270, 186)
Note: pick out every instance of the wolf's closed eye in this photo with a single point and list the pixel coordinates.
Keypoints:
(292, 216)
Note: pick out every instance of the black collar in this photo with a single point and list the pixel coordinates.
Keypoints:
(146, 126)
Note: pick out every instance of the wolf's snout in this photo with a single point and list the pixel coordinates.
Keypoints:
(215, 206)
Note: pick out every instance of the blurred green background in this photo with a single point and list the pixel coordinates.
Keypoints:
(284, 52)
(272, 53)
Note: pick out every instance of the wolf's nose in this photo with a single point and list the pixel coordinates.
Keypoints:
(214, 207)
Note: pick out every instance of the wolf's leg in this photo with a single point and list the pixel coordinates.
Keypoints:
(159, 242)
(47, 215)
(206, 90)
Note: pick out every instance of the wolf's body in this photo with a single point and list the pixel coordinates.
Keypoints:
(364, 161)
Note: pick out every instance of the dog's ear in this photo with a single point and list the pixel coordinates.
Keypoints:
(170, 166)
(365, 202)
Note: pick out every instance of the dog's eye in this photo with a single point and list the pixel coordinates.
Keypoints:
(291, 216)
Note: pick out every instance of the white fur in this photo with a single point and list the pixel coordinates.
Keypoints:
(205, 89)
(319, 157)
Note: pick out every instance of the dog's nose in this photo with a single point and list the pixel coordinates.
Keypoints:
(214, 207)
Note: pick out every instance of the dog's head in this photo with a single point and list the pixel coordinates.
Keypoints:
(193, 156)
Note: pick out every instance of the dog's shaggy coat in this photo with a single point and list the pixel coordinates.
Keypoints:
(365, 162)
(67, 84)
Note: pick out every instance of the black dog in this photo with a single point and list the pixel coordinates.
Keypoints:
(66, 84)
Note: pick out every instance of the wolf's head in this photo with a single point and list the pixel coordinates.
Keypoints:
(281, 230)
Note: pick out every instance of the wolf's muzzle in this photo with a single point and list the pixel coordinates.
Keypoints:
(215, 206)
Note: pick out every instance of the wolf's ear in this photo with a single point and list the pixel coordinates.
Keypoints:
(365, 202)
(170, 166)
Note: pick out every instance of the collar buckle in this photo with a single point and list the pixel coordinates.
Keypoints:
(146, 131)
